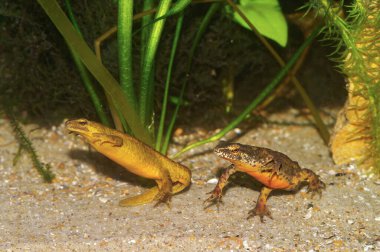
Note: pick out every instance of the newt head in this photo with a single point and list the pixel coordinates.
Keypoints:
(85, 128)
(243, 155)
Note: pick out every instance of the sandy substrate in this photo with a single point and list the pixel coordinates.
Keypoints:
(80, 211)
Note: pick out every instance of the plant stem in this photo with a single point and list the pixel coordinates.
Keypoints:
(84, 73)
(177, 34)
(309, 103)
(145, 20)
(147, 83)
(268, 89)
(202, 28)
(124, 37)
(110, 85)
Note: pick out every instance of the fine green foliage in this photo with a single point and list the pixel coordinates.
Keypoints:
(308, 102)
(26, 144)
(160, 131)
(337, 29)
(124, 37)
(202, 29)
(266, 16)
(111, 86)
(85, 76)
(357, 54)
(176, 8)
(268, 89)
(179, 6)
(147, 85)
(133, 98)
(137, 113)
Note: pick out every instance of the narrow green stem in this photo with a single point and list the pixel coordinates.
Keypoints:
(147, 83)
(90, 89)
(167, 82)
(309, 103)
(124, 37)
(177, 7)
(84, 73)
(268, 89)
(145, 20)
(202, 28)
(110, 85)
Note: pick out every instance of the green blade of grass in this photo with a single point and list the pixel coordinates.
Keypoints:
(147, 84)
(124, 37)
(179, 6)
(202, 28)
(309, 103)
(160, 131)
(104, 77)
(84, 73)
(268, 89)
(148, 5)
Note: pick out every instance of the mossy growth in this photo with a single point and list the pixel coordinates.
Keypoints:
(356, 135)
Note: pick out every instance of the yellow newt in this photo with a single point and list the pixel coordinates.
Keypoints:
(138, 158)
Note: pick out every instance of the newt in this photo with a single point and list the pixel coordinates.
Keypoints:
(138, 158)
(271, 168)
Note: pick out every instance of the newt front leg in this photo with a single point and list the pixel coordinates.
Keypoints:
(261, 208)
(216, 194)
(114, 141)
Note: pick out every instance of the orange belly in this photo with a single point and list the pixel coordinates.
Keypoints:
(270, 179)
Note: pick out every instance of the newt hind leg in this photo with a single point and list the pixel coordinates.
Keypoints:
(162, 193)
(315, 184)
(165, 192)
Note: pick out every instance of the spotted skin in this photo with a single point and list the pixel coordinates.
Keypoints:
(273, 169)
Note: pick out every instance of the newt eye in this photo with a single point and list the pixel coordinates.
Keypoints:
(82, 122)
(234, 150)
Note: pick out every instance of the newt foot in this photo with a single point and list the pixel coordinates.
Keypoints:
(215, 198)
(316, 187)
(260, 211)
(163, 197)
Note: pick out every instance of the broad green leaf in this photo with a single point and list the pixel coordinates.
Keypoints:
(267, 17)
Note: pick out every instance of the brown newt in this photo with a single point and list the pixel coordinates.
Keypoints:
(273, 169)
(138, 158)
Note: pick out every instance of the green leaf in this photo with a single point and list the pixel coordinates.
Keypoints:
(267, 17)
